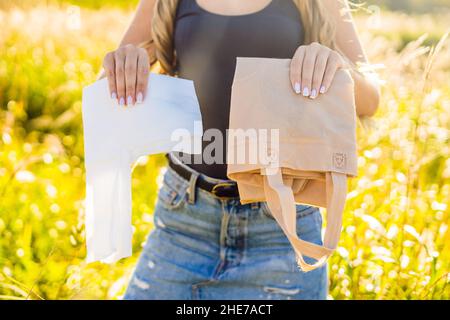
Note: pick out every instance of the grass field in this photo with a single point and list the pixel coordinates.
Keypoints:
(396, 240)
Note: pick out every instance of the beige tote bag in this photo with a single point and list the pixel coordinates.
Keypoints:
(284, 148)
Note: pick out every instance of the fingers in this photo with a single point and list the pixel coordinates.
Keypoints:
(109, 66)
(313, 68)
(319, 71)
(308, 68)
(332, 66)
(119, 56)
(130, 74)
(142, 75)
(127, 71)
(296, 67)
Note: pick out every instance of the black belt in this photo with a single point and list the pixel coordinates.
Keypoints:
(221, 190)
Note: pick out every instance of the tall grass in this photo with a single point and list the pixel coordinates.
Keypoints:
(396, 240)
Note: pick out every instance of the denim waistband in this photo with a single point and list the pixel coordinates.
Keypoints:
(181, 185)
(195, 175)
(174, 158)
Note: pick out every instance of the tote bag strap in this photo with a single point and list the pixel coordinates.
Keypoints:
(281, 202)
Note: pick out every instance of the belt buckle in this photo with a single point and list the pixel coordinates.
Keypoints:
(221, 184)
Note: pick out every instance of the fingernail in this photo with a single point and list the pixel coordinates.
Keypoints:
(297, 87)
(305, 92)
(121, 101)
(313, 94)
(113, 96)
(322, 89)
(139, 97)
(129, 101)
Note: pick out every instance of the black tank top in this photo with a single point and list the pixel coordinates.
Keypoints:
(206, 46)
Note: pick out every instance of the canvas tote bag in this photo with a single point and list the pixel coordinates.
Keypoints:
(305, 149)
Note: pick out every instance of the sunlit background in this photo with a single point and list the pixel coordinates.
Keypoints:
(395, 243)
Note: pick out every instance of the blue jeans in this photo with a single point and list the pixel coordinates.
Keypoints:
(203, 247)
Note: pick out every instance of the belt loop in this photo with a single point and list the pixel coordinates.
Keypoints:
(191, 187)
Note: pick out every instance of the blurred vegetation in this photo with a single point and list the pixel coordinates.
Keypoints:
(402, 5)
(91, 4)
(410, 5)
(396, 240)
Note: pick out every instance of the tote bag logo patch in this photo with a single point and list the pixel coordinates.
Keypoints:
(339, 160)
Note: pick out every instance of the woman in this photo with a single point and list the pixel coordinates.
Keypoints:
(205, 244)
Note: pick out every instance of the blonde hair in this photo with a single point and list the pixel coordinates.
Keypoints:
(318, 28)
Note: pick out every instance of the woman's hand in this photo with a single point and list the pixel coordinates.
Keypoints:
(127, 71)
(313, 68)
